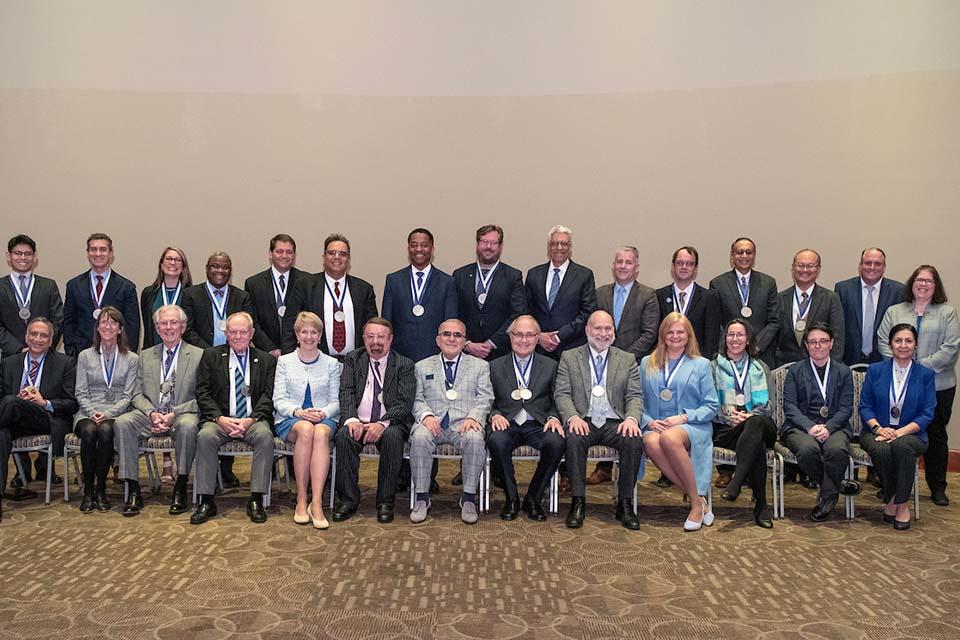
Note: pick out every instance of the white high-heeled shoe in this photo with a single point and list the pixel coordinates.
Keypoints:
(707, 515)
(705, 520)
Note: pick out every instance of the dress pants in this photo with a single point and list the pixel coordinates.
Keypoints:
(423, 444)
(895, 462)
(750, 440)
(134, 426)
(348, 451)
(935, 459)
(501, 444)
(258, 435)
(19, 418)
(629, 449)
(824, 462)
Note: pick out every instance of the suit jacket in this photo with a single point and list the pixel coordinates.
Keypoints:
(851, 299)
(91, 390)
(472, 384)
(939, 341)
(576, 300)
(214, 382)
(640, 321)
(309, 294)
(44, 301)
(197, 305)
(919, 400)
(696, 393)
(413, 337)
(146, 396)
(542, 376)
(148, 296)
(763, 302)
(505, 301)
(703, 312)
(268, 322)
(57, 384)
(802, 399)
(824, 307)
(572, 390)
(399, 388)
(78, 311)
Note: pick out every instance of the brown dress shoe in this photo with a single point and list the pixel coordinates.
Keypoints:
(564, 485)
(599, 476)
(723, 479)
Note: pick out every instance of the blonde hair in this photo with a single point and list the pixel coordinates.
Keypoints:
(305, 318)
(659, 356)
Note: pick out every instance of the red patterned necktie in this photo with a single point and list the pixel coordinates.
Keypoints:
(99, 287)
(339, 328)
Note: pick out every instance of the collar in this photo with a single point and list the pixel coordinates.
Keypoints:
(382, 361)
(876, 287)
(594, 353)
(480, 267)
(743, 275)
(688, 290)
(522, 360)
(15, 275)
(106, 274)
(562, 267)
(277, 274)
(626, 287)
(212, 288)
(425, 271)
(342, 279)
(808, 290)
(175, 347)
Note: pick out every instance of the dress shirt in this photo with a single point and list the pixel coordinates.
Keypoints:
(688, 293)
(348, 320)
(798, 295)
(234, 365)
(366, 402)
(563, 272)
(219, 337)
(93, 282)
(276, 283)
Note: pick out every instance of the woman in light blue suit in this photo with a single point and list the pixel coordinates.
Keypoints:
(897, 404)
(680, 402)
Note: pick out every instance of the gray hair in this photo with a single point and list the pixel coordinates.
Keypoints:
(559, 228)
(181, 314)
(628, 249)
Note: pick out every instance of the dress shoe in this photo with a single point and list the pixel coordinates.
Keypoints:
(384, 513)
(179, 503)
(321, 523)
(510, 510)
(900, 525)
(205, 511)
(420, 511)
(729, 496)
(101, 501)
(889, 518)
(534, 510)
(133, 506)
(762, 517)
(625, 514)
(823, 509)
(940, 499)
(87, 505)
(850, 488)
(578, 509)
(255, 511)
(468, 512)
(564, 485)
(230, 479)
(663, 482)
(599, 476)
(342, 512)
(808, 483)
(302, 518)
(723, 479)
(17, 482)
(457, 480)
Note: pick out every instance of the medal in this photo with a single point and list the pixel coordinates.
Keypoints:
(222, 325)
(666, 395)
(451, 394)
(418, 310)
(895, 412)
(746, 311)
(23, 303)
(740, 400)
(339, 316)
(380, 397)
(281, 310)
(96, 314)
(526, 394)
(337, 303)
(515, 394)
(482, 298)
(484, 283)
(801, 325)
(824, 412)
(166, 387)
(110, 395)
(417, 293)
(24, 313)
(98, 300)
(598, 390)
(668, 377)
(822, 386)
(897, 394)
(521, 392)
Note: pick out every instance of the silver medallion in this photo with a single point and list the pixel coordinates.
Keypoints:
(380, 397)
(96, 314)
(245, 391)
(745, 311)
(339, 316)
(801, 325)
(222, 325)
(515, 394)
(24, 313)
(482, 298)
(451, 394)
(418, 310)
(282, 310)
(824, 412)
(598, 390)
(526, 394)
(166, 387)
(666, 395)
(110, 395)
(740, 400)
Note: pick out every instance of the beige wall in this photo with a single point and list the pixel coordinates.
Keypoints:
(215, 125)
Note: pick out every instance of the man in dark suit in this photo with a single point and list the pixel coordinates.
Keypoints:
(235, 398)
(865, 299)
(804, 304)
(269, 294)
(99, 287)
(699, 304)
(524, 414)
(751, 295)
(37, 393)
(377, 389)
(416, 299)
(26, 295)
(489, 296)
(342, 301)
(561, 295)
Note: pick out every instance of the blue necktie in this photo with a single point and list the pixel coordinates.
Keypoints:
(619, 299)
(420, 281)
(238, 391)
(23, 286)
(744, 289)
(869, 318)
(554, 287)
(279, 296)
(480, 289)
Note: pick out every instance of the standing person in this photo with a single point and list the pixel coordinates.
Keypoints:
(925, 307)
(865, 299)
(25, 295)
(804, 304)
(173, 276)
(269, 293)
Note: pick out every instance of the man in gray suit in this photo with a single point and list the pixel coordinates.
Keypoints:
(454, 396)
(600, 399)
(164, 403)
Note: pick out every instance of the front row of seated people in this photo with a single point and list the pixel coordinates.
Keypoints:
(675, 406)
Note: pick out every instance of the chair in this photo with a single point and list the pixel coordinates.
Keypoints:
(774, 462)
(41, 443)
(148, 449)
(526, 453)
(284, 449)
(450, 452)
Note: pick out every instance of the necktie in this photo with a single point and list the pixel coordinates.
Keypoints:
(598, 406)
(99, 286)
(218, 293)
(869, 317)
(283, 286)
(744, 289)
(23, 286)
(480, 289)
(618, 301)
(376, 407)
(448, 372)
(339, 328)
(804, 302)
(169, 360)
(238, 390)
(683, 299)
(554, 287)
(34, 370)
(419, 280)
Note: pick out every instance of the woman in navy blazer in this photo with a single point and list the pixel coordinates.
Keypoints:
(897, 403)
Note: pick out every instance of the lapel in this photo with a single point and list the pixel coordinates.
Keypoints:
(471, 286)
(629, 304)
(685, 373)
(156, 365)
(816, 301)
(113, 286)
(858, 303)
(6, 290)
(49, 373)
(428, 285)
(586, 369)
(614, 367)
(255, 368)
(389, 372)
(565, 283)
(225, 370)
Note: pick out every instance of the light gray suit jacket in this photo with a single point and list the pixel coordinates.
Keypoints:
(575, 382)
(472, 384)
(637, 332)
(939, 338)
(91, 389)
(147, 395)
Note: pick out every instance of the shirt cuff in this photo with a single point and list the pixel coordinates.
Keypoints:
(48, 406)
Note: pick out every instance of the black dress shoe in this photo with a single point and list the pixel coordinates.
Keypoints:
(625, 514)
(889, 519)
(133, 506)
(342, 512)
(823, 509)
(255, 511)
(17, 482)
(901, 526)
(54, 479)
(664, 482)
(87, 505)
(230, 479)
(457, 480)
(808, 483)
(940, 499)
(101, 501)
(179, 503)
(850, 488)
(205, 511)
(510, 510)
(578, 509)
(762, 517)
(534, 509)
(729, 496)
(384, 513)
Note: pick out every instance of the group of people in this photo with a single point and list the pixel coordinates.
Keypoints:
(485, 361)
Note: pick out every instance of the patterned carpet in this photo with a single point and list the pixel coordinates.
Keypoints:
(68, 575)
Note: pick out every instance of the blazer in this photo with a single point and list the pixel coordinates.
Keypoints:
(851, 299)
(696, 394)
(505, 300)
(802, 399)
(919, 400)
(78, 311)
(57, 385)
(197, 305)
(399, 388)
(763, 303)
(939, 341)
(703, 312)
(576, 300)
(148, 297)
(824, 307)
(472, 384)
(542, 376)
(146, 397)
(290, 386)
(91, 389)
(640, 322)
(309, 294)
(44, 301)
(575, 382)
(413, 337)
(268, 322)
(214, 383)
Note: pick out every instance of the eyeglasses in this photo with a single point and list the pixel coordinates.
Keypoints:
(337, 254)
(684, 263)
(737, 335)
(238, 333)
(806, 267)
(559, 244)
(744, 252)
(822, 342)
(22, 254)
(924, 280)
(173, 259)
(451, 334)
(524, 336)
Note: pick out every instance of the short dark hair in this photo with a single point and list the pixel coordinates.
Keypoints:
(425, 232)
(818, 326)
(882, 252)
(743, 239)
(939, 293)
(691, 250)
(282, 237)
(100, 236)
(751, 340)
(487, 228)
(381, 322)
(903, 326)
(21, 239)
(337, 237)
